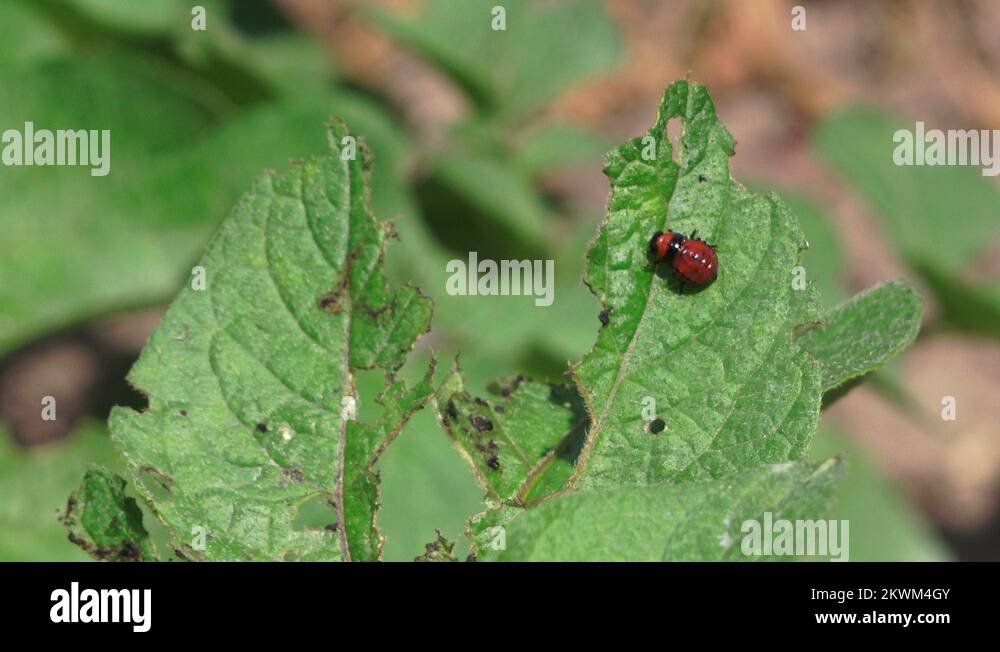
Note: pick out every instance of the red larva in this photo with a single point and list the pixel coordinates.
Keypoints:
(694, 260)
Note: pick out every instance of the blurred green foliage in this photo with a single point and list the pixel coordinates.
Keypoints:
(885, 525)
(34, 486)
(940, 219)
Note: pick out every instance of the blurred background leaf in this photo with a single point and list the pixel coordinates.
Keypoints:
(942, 219)
(514, 71)
(34, 486)
(884, 525)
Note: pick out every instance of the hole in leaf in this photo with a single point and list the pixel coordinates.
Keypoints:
(675, 129)
(316, 513)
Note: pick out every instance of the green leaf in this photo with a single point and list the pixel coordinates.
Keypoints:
(251, 382)
(719, 366)
(865, 332)
(670, 522)
(543, 50)
(104, 522)
(521, 444)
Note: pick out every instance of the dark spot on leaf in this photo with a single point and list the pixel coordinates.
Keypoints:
(493, 463)
(183, 413)
(656, 426)
(701, 178)
(329, 302)
(481, 423)
(261, 427)
(293, 474)
(332, 527)
(500, 409)
(452, 410)
(603, 317)
(441, 549)
(510, 389)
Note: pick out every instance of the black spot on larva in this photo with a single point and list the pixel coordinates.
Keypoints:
(656, 426)
(701, 178)
(481, 423)
(603, 317)
(261, 427)
(493, 463)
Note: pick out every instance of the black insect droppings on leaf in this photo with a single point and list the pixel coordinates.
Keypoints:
(481, 423)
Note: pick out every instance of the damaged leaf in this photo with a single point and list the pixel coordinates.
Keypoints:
(521, 442)
(104, 522)
(441, 549)
(701, 520)
(251, 381)
(694, 385)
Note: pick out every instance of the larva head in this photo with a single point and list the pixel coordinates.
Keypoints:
(664, 244)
